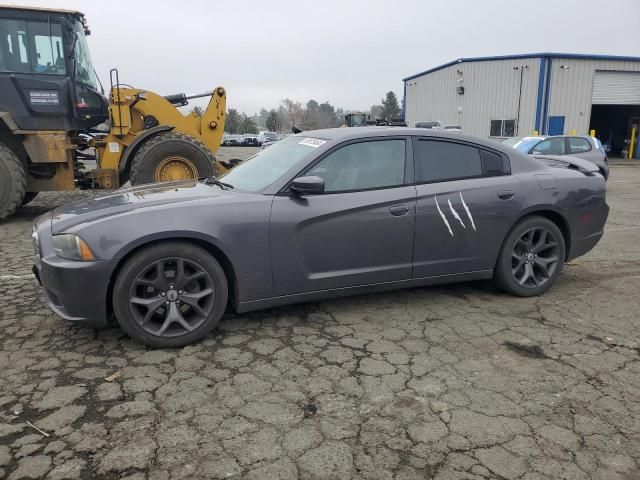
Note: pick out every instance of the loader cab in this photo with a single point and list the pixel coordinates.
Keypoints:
(47, 79)
(357, 119)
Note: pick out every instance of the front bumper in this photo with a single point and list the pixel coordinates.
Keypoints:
(76, 291)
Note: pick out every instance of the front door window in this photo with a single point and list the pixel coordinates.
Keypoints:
(363, 166)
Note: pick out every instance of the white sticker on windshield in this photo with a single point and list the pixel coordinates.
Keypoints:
(312, 142)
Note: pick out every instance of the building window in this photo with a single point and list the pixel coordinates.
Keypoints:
(502, 128)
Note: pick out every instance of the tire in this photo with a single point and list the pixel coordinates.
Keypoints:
(197, 159)
(13, 182)
(526, 265)
(28, 197)
(138, 290)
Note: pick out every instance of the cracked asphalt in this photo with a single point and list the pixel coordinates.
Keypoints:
(451, 382)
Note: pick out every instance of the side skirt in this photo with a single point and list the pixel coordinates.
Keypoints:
(361, 289)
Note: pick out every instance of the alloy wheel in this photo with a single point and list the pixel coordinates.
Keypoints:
(535, 257)
(171, 297)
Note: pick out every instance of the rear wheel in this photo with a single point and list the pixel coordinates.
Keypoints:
(170, 157)
(531, 257)
(13, 182)
(170, 294)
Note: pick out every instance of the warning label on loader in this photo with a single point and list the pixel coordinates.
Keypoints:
(44, 97)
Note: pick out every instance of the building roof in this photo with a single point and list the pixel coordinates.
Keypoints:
(525, 55)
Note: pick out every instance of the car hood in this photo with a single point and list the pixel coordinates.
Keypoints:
(129, 199)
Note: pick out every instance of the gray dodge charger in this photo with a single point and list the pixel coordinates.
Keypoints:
(320, 214)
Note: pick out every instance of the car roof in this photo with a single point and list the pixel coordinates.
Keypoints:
(354, 133)
(565, 136)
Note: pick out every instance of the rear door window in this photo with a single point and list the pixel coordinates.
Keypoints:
(439, 161)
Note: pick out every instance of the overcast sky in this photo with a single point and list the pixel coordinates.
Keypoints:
(349, 52)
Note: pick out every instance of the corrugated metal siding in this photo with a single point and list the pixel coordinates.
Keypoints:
(572, 88)
(616, 88)
(491, 93)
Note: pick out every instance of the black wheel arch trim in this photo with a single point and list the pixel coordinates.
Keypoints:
(553, 213)
(131, 150)
(209, 244)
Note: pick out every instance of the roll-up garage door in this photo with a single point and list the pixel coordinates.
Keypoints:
(616, 88)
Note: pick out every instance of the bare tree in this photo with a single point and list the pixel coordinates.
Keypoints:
(295, 112)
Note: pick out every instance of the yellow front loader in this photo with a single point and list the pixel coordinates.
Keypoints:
(55, 119)
(150, 140)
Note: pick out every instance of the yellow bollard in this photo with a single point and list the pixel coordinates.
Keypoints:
(573, 132)
(592, 133)
(632, 143)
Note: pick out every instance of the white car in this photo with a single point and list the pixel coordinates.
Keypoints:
(430, 124)
(264, 137)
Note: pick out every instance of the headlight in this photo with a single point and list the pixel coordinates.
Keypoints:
(72, 247)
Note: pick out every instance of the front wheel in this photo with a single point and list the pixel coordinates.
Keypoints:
(170, 294)
(531, 257)
(170, 157)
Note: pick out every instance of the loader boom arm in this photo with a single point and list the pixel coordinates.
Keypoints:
(132, 111)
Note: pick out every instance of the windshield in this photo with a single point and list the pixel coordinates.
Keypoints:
(268, 165)
(84, 72)
(270, 136)
(31, 47)
(524, 144)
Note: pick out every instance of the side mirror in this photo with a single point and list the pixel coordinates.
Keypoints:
(308, 185)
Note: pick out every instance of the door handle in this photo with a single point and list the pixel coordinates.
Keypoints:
(506, 194)
(399, 210)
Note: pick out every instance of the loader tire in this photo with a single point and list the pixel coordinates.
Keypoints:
(170, 157)
(13, 182)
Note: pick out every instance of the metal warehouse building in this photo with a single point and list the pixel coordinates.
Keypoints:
(549, 93)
